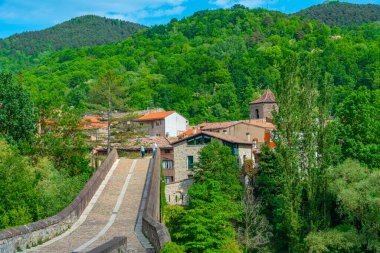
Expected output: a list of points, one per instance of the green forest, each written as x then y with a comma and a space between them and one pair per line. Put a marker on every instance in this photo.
342, 14
208, 66
21, 51
40, 174
318, 191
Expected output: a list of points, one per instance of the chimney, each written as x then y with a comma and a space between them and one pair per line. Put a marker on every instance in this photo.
194, 131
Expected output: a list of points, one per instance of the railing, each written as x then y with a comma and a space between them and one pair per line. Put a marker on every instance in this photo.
152, 227
22, 237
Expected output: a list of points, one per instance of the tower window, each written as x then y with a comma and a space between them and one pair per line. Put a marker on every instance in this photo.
257, 114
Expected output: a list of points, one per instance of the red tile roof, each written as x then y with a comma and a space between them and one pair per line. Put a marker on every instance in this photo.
189, 132
154, 116
267, 97
260, 123
218, 125
93, 122
221, 136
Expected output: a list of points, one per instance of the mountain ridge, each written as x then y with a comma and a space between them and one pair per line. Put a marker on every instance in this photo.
85, 24
342, 14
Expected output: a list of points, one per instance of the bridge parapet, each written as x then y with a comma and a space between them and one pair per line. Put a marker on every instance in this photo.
22, 237
154, 230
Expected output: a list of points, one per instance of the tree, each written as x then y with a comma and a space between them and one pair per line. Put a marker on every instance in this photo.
255, 233
304, 139
63, 142
17, 118
355, 190
108, 93
18, 195
359, 126
287, 139
207, 224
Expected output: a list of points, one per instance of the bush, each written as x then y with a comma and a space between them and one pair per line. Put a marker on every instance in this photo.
172, 247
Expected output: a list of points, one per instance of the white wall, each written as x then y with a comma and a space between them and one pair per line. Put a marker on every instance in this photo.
174, 123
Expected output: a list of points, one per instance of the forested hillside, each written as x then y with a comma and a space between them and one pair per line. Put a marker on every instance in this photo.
208, 66
342, 14
89, 30
317, 191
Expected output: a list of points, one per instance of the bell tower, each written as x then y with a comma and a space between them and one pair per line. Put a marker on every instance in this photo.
262, 108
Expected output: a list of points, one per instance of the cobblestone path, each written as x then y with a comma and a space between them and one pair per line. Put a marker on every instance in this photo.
114, 212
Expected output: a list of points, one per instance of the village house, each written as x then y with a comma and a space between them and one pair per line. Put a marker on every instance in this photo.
168, 124
186, 153
95, 127
249, 130
244, 137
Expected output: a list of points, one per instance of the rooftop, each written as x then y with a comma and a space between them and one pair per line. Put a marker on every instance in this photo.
267, 97
260, 123
154, 116
218, 125
221, 136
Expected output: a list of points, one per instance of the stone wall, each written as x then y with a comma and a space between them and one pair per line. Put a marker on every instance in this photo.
265, 110
245, 150
152, 227
181, 152
19, 238
176, 193
116, 245
157, 129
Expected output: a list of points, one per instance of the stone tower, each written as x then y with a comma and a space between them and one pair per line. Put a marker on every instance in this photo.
262, 108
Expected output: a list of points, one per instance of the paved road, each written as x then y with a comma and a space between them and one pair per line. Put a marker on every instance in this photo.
112, 212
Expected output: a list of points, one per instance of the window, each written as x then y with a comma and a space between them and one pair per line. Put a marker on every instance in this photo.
167, 164
141, 124
168, 179
257, 114
158, 134
190, 162
167, 151
233, 146
199, 140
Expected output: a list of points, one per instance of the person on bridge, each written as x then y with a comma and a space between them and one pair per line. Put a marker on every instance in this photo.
142, 151
154, 148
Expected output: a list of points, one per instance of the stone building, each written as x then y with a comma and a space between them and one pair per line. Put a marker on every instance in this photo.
186, 151
263, 107
249, 130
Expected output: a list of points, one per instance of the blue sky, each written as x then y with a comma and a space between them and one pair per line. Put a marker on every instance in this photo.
17, 16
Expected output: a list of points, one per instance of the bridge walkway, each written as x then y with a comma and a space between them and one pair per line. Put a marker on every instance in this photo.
112, 212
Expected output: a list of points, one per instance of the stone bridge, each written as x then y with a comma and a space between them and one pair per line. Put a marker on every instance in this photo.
119, 204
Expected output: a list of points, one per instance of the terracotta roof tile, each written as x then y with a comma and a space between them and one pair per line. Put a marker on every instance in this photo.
189, 132
221, 136
154, 116
267, 97
260, 123
218, 125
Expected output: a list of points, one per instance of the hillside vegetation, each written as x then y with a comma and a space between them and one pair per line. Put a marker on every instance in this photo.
208, 66
89, 30
342, 14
